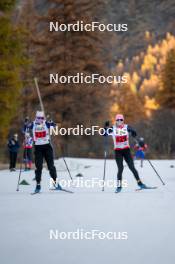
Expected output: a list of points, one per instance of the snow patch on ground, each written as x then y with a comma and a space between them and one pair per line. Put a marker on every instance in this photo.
147, 216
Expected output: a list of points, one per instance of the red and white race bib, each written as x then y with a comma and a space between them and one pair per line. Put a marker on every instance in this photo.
120, 137
40, 134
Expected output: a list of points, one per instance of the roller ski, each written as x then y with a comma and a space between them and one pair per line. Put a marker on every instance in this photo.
143, 186
57, 187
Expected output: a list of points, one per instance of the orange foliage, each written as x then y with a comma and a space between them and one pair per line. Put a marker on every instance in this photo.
145, 70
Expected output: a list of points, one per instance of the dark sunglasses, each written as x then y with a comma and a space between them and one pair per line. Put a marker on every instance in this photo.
40, 117
119, 120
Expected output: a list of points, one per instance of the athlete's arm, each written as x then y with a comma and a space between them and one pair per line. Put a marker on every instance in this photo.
50, 124
27, 126
132, 131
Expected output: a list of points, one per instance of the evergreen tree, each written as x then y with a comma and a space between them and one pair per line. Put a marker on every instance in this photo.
68, 53
11, 60
7, 5
166, 94
27, 20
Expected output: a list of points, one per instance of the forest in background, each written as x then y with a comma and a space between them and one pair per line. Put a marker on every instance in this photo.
28, 50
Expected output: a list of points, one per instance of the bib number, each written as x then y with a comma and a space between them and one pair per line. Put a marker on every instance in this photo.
120, 139
40, 134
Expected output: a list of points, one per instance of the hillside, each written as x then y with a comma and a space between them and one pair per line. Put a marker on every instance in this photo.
155, 16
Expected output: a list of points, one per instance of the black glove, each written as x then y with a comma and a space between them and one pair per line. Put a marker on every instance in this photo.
107, 124
133, 133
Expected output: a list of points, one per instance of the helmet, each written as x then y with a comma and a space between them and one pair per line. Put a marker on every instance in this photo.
141, 139
119, 116
39, 114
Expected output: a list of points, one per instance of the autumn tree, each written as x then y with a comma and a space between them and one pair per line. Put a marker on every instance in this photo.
166, 94
130, 104
27, 21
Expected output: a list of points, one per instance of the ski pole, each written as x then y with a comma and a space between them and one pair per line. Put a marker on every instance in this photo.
105, 157
19, 177
163, 183
42, 106
66, 164
67, 169
39, 95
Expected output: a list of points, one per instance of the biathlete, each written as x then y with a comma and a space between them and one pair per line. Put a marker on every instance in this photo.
43, 149
28, 144
120, 133
140, 148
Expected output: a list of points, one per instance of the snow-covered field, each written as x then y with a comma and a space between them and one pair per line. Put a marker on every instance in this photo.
147, 216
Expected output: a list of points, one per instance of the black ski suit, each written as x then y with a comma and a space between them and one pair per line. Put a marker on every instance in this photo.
44, 151
126, 155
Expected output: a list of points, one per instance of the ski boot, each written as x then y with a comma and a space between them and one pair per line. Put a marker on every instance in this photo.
58, 187
119, 188
142, 185
38, 188
54, 185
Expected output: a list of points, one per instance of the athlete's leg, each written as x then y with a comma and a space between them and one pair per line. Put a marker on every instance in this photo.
129, 160
119, 161
38, 163
48, 155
